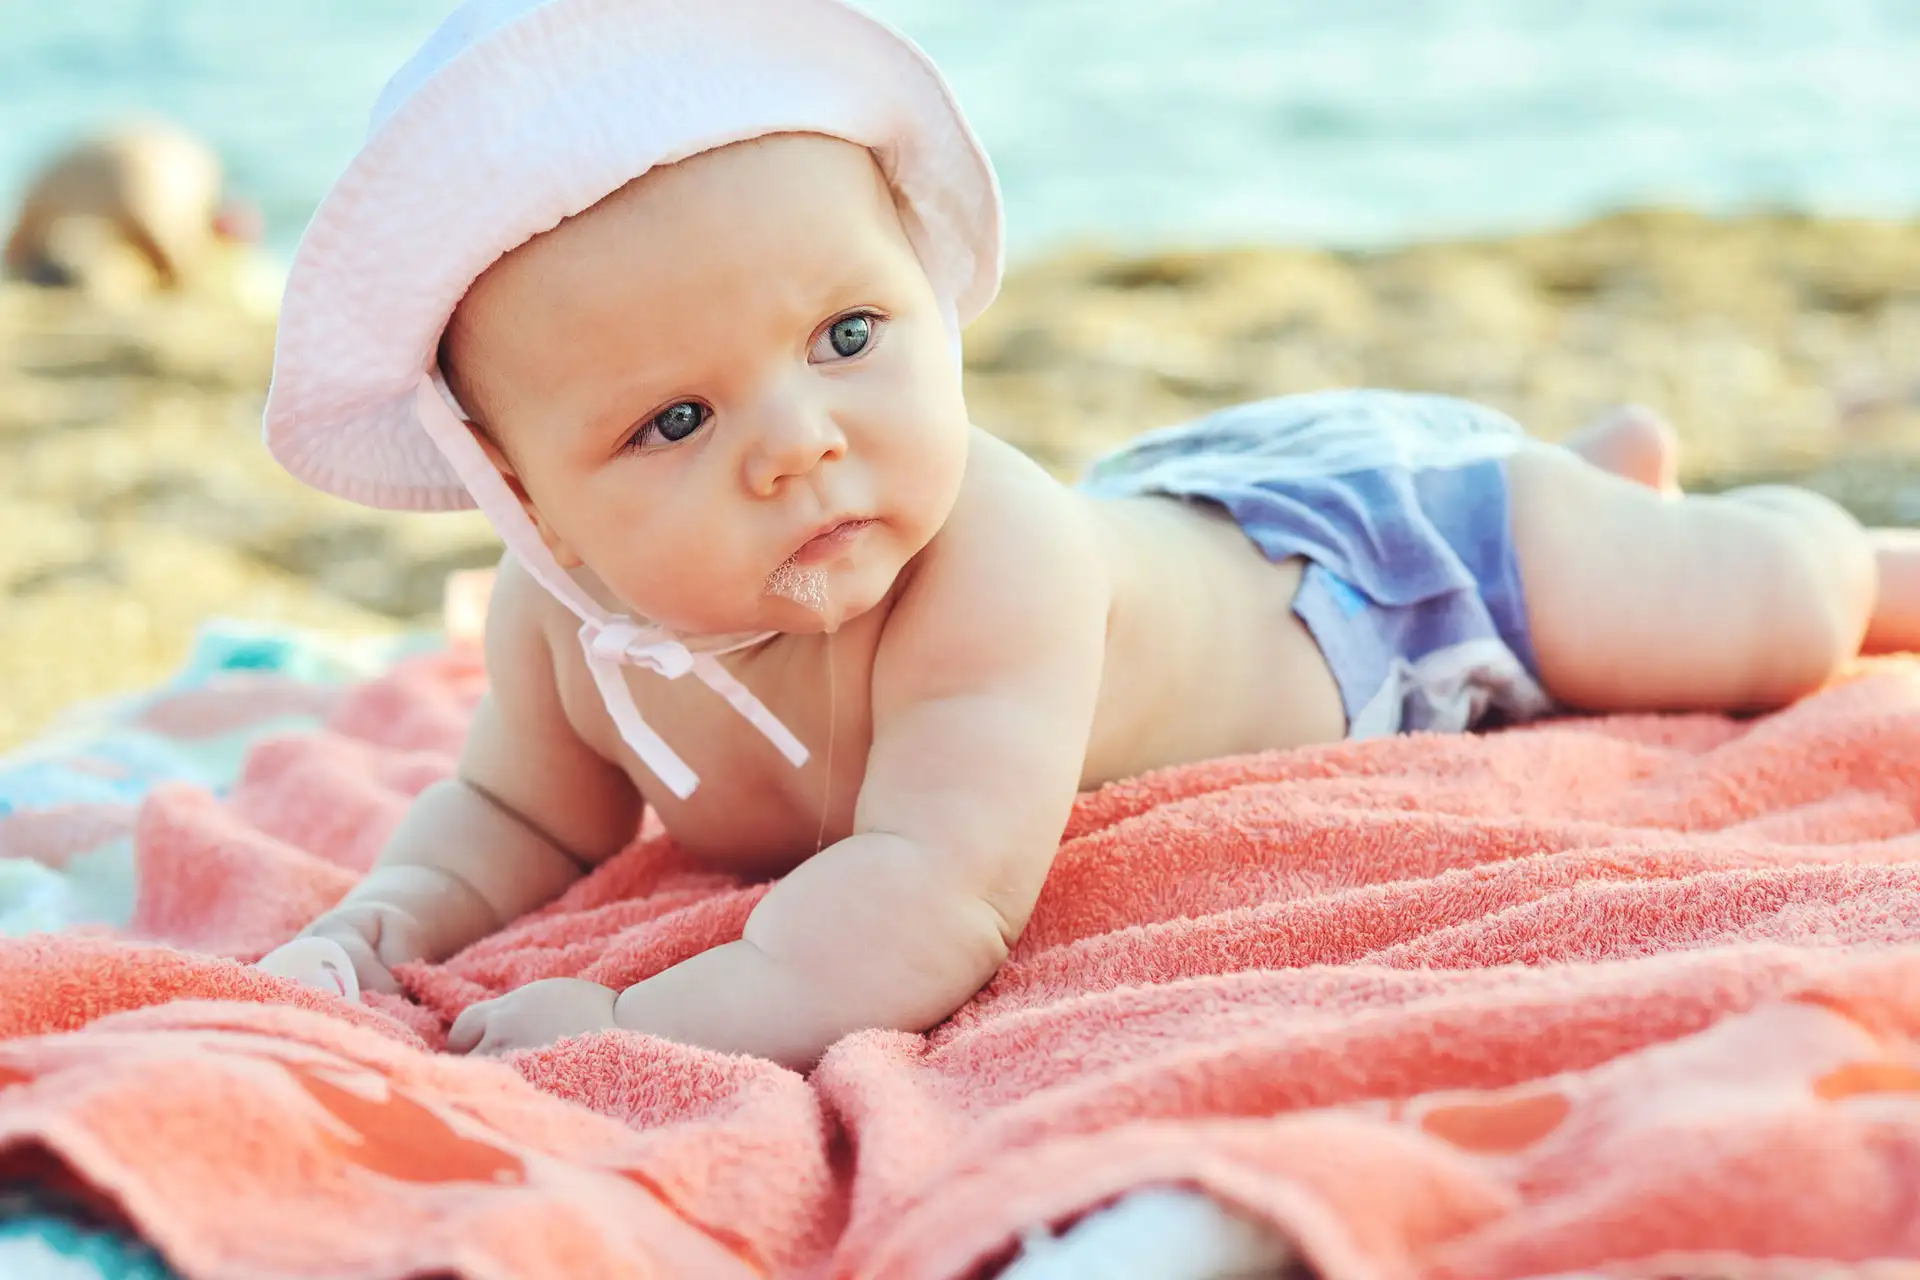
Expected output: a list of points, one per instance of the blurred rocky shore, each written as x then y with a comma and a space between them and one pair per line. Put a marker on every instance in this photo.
136, 498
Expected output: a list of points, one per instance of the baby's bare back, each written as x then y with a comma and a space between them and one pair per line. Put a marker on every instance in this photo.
1203, 658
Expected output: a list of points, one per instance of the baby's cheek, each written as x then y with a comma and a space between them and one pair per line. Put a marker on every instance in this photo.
941, 472
701, 590
920, 460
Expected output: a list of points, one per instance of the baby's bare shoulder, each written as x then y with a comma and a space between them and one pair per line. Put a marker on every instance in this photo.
1007, 500
523, 748
532, 654
1018, 546
520, 630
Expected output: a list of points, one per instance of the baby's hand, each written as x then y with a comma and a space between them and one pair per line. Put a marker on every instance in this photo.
534, 1015
376, 936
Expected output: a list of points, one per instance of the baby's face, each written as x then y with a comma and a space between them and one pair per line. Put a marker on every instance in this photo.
694, 380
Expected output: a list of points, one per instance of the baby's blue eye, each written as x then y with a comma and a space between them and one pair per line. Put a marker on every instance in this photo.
677, 422
851, 335
848, 337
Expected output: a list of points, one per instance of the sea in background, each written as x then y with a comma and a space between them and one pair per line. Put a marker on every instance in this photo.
1139, 123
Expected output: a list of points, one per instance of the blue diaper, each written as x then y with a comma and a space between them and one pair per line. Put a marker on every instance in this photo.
1398, 504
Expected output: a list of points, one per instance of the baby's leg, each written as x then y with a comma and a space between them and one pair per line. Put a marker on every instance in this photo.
1641, 601
1641, 445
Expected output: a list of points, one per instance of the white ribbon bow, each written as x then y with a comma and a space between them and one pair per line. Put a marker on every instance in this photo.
620, 642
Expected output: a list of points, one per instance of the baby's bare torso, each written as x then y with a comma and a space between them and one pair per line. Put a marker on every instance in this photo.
1204, 658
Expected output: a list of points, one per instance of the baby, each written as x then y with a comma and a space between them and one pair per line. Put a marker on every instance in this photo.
674, 292
148, 186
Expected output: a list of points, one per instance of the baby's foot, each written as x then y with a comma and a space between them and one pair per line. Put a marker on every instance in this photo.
1635, 442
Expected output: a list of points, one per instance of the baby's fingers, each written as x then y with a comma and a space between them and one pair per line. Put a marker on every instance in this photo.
367, 965
396, 939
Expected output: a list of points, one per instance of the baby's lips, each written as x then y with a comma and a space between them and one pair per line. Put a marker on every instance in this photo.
319, 963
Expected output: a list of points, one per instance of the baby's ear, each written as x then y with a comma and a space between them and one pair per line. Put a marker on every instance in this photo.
562, 553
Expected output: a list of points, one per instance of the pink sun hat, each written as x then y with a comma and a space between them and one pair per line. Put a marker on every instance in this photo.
517, 114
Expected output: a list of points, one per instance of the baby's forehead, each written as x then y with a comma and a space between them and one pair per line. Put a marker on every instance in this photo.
804, 204
776, 178
771, 231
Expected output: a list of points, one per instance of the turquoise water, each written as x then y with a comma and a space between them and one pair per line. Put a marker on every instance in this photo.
1153, 121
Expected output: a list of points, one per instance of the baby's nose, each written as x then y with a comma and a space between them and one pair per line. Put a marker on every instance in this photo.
792, 443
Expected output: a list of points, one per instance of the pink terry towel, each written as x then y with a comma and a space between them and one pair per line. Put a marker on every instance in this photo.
1635, 994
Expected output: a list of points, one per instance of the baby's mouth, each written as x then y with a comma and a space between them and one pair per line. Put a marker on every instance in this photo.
802, 576
830, 541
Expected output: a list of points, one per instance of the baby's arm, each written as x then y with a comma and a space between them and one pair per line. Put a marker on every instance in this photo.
528, 807
984, 689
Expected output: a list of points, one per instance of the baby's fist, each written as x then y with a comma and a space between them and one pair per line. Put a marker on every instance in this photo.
376, 936
534, 1015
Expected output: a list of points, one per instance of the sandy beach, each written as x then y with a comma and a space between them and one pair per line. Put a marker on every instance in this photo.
136, 498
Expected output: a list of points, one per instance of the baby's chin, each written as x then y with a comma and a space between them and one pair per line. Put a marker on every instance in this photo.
808, 606
813, 599
805, 609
